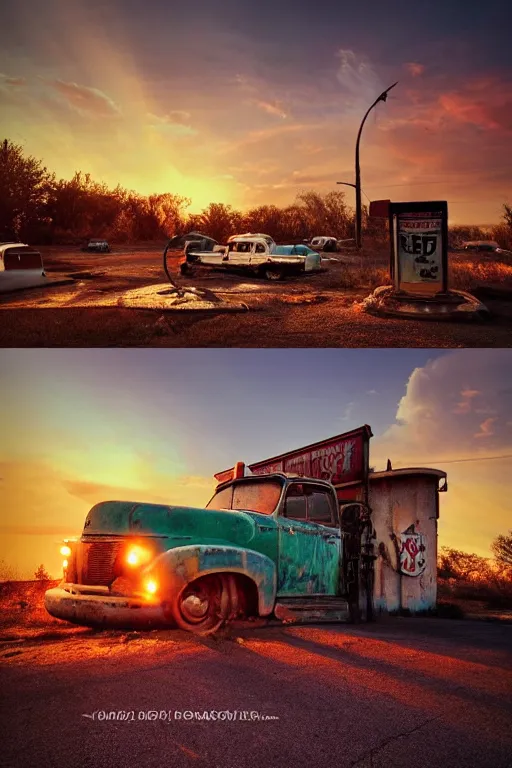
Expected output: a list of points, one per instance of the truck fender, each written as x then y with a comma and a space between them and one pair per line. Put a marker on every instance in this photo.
177, 567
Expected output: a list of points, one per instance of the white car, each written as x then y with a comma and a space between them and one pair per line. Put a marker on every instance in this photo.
97, 246
21, 266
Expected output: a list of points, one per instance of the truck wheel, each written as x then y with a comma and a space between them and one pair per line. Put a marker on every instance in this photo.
274, 273
206, 604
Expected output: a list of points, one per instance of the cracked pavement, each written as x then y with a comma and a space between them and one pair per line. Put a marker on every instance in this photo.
398, 692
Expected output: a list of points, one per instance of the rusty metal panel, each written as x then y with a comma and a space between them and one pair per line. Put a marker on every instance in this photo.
340, 459
379, 209
404, 516
309, 558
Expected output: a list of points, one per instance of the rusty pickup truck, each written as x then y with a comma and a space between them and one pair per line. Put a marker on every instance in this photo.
273, 545
255, 253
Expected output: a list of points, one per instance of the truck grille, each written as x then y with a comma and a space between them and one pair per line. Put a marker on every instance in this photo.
99, 562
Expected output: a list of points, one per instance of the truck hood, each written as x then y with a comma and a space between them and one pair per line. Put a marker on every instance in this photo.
178, 524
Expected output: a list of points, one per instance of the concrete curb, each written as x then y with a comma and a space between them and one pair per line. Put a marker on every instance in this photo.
471, 309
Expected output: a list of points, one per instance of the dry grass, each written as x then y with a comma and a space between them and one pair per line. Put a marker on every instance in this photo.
22, 605
466, 274
371, 269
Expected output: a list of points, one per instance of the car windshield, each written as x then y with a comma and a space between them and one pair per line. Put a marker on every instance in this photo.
252, 495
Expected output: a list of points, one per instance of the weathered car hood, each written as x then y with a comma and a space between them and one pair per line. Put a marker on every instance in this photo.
179, 524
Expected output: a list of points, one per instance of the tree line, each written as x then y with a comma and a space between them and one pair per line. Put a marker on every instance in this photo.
38, 208
471, 577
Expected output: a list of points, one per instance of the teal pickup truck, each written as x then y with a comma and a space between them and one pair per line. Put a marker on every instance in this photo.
269, 545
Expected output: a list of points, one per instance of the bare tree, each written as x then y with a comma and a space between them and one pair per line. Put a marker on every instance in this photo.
502, 549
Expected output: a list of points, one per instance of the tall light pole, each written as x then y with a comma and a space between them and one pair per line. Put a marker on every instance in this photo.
383, 97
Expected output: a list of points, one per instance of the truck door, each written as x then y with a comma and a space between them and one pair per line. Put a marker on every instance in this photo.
259, 255
240, 255
309, 551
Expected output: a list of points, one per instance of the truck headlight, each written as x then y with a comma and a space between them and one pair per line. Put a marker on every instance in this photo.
65, 550
151, 586
137, 556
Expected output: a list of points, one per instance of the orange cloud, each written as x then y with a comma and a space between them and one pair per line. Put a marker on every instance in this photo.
414, 68
486, 428
84, 98
271, 109
12, 82
467, 395
466, 110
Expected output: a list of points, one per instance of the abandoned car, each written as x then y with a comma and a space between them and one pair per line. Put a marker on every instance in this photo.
257, 253
97, 246
325, 243
20, 256
21, 266
264, 545
484, 246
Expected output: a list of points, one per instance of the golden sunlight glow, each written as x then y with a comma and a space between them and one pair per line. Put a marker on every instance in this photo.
64, 563
65, 551
151, 587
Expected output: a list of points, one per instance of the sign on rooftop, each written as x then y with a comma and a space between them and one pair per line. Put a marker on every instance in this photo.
340, 459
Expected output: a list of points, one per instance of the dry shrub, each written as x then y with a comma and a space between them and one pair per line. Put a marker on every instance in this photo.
22, 604
466, 576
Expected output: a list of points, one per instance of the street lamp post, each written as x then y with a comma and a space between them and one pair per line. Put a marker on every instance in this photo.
383, 96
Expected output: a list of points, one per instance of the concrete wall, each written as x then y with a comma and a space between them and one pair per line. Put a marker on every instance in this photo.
397, 502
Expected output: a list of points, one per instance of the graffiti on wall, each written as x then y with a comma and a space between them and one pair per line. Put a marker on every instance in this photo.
411, 552
341, 459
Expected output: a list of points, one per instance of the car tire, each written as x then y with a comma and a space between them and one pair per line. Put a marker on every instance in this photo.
185, 269
205, 604
274, 273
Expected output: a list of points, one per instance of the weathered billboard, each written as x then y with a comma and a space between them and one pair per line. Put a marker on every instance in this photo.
420, 246
341, 459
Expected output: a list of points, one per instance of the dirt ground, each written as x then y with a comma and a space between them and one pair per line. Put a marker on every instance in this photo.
317, 311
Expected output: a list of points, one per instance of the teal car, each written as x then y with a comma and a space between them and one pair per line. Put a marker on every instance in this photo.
270, 545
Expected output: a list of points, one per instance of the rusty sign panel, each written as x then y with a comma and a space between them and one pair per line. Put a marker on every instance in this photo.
379, 209
340, 459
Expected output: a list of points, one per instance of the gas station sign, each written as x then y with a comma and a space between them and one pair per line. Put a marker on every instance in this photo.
419, 245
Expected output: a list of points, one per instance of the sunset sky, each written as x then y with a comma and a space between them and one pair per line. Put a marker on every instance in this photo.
81, 426
252, 102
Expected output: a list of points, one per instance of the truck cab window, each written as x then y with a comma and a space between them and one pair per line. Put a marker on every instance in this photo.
295, 504
319, 506
260, 248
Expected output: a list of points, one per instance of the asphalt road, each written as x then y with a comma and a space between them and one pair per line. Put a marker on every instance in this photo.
317, 311
404, 692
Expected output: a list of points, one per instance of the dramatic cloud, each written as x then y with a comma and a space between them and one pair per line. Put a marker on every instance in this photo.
441, 413
439, 424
